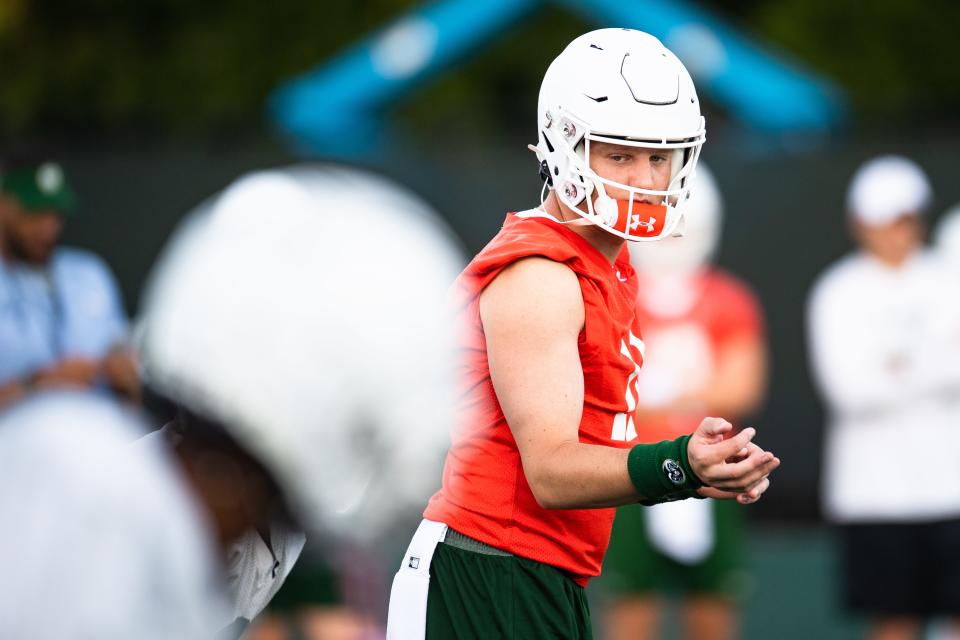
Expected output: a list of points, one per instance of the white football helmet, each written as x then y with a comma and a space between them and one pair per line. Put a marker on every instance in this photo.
305, 310
619, 86
703, 221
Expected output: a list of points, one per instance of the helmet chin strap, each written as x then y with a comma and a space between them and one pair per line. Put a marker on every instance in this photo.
605, 207
578, 220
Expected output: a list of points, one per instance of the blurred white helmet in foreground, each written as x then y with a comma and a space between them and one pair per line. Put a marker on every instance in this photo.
305, 310
946, 236
886, 188
703, 218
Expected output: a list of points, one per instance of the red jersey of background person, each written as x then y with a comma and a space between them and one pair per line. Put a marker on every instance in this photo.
485, 494
682, 344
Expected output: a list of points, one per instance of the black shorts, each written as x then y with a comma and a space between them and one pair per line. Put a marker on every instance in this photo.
902, 569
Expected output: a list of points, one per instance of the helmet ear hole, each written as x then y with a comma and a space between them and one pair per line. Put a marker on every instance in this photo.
573, 192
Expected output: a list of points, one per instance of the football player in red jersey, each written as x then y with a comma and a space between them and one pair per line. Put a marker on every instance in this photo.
545, 445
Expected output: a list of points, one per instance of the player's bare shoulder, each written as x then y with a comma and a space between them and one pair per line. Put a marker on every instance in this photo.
534, 292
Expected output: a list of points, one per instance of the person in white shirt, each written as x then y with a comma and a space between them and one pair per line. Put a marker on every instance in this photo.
884, 352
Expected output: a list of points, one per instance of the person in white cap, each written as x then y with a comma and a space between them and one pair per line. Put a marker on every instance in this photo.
298, 325
884, 352
705, 355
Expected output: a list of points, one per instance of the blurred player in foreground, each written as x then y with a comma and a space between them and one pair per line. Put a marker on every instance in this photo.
299, 325
545, 444
705, 355
885, 350
62, 323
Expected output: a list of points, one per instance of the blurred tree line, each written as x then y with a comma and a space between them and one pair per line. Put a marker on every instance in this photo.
187, 66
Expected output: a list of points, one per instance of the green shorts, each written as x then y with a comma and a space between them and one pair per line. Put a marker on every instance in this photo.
311, 583
634, 567
487, 597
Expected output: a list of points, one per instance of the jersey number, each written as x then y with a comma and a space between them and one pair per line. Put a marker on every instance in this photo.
623, 427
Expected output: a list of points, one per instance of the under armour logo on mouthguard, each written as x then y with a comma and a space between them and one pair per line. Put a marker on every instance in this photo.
635, 222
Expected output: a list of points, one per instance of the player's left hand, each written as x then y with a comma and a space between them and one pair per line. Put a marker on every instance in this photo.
732, 467
752, 494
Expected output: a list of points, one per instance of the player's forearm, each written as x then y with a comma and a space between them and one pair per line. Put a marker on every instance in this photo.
574, 475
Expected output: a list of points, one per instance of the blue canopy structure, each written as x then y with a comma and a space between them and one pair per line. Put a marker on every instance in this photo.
339, 108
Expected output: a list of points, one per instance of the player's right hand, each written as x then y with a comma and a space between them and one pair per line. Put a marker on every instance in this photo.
731, 468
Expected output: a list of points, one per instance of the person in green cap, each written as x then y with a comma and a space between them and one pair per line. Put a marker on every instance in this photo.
62, 322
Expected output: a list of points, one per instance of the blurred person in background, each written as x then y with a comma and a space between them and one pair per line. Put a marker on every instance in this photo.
311, 390
62, 322
545, 445
705, 355
884, 350
946, 237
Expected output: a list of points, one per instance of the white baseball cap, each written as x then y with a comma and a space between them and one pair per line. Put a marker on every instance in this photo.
886, 188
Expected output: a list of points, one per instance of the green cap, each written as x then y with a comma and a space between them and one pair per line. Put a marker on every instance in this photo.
40, 188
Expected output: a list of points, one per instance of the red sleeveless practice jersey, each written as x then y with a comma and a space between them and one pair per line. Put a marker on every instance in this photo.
485, 494
683, 346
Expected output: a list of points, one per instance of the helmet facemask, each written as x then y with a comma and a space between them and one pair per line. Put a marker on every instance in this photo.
634, 218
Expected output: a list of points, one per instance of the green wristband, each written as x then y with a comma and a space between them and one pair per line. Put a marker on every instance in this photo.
661, 472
